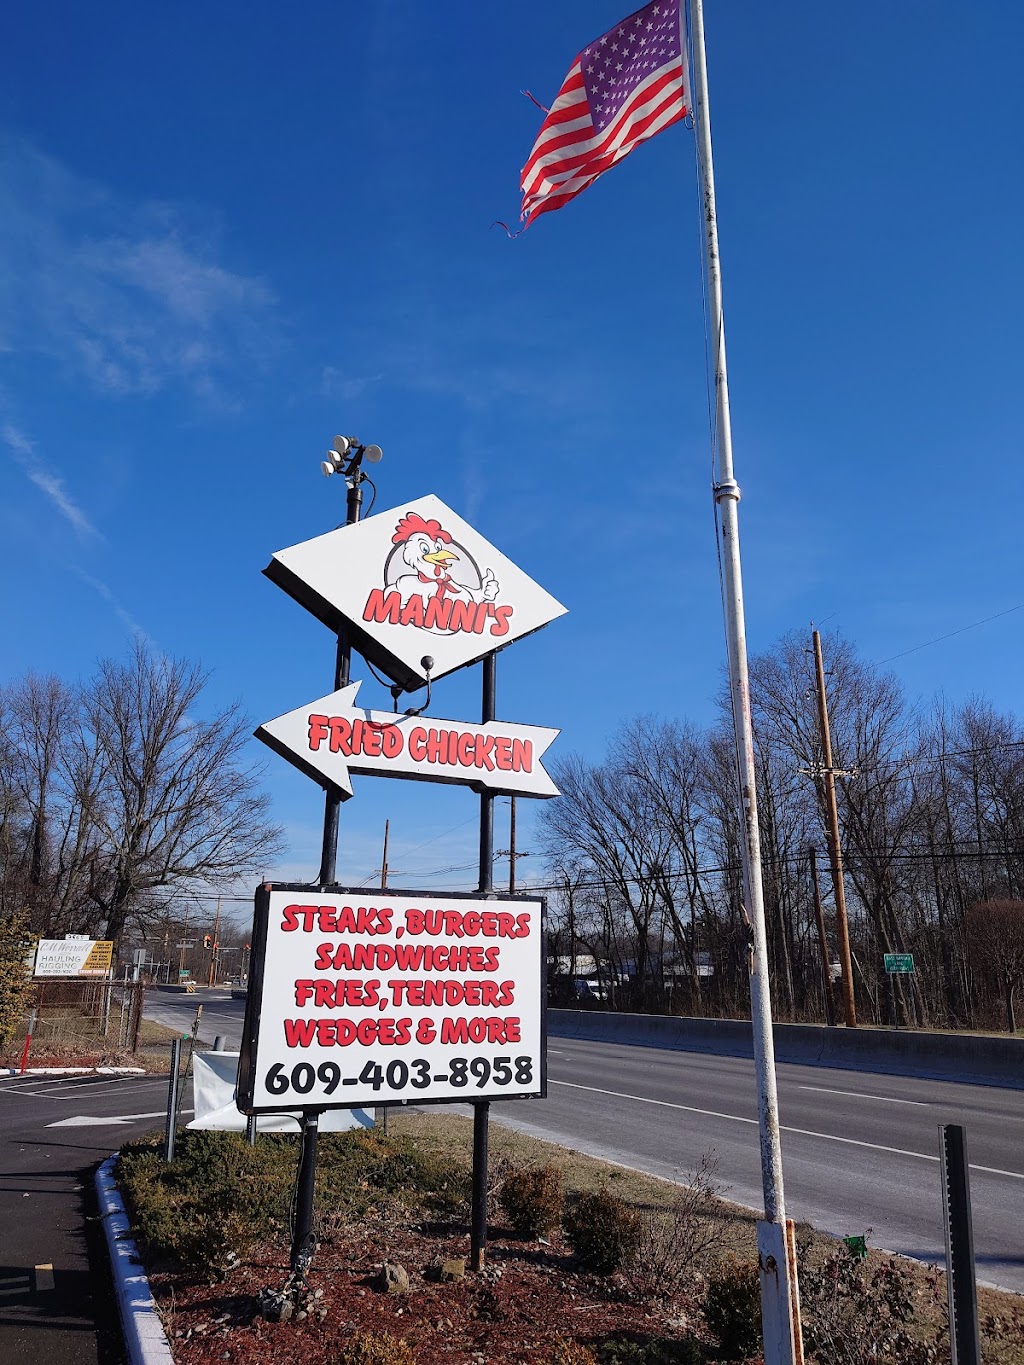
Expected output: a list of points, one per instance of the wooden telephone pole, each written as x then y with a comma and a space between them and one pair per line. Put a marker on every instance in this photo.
835, 853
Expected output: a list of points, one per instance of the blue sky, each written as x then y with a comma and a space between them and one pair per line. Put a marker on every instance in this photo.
228, 232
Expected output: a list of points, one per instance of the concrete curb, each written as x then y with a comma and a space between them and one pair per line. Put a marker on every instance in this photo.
969, 1058
145, 1339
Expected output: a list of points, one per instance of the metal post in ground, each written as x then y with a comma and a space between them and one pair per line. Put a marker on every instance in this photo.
964, 1342
33, 1016
172, 1100
481, 1108
303, 1240
342, 672
349, 461
250, 1130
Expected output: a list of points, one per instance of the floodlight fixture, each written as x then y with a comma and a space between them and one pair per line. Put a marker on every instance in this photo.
373, 454
333, 463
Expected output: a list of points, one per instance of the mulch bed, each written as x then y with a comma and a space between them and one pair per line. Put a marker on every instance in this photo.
527, 1297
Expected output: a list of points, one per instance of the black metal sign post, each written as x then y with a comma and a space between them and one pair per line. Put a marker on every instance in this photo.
964, 1342
303, 1239
482, 1108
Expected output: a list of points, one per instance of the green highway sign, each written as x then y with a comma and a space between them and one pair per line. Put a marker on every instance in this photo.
899, 962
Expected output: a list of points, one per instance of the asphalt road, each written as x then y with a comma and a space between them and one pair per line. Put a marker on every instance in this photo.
56, 1296
860, 1150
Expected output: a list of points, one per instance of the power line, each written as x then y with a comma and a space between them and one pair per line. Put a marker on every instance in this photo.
939, 638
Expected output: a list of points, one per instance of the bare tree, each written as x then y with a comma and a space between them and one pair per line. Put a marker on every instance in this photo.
995, 932
122, 793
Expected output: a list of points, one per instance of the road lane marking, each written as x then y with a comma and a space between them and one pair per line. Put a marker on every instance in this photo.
667, 1104
13, 1285
860, 1095
95, 1121
785, 1128
44, 1277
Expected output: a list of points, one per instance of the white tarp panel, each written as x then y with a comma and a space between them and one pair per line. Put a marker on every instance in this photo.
214, 1077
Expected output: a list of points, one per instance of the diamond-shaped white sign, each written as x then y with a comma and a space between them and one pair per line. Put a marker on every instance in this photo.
413, 583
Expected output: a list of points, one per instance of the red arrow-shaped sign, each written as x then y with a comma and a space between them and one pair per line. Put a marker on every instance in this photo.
330, 738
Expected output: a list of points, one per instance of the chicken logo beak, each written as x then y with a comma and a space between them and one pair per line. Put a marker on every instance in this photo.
442, 557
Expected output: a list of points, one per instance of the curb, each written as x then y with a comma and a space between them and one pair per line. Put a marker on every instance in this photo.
145, 1339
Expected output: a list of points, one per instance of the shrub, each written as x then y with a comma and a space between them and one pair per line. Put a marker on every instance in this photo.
209, 1205
856, 1315
602, 1230
376, 1348
673, 1243
565, 1351
652, 1351
531, 1199
16, 984
219, 1196
732, 1308
398, 1168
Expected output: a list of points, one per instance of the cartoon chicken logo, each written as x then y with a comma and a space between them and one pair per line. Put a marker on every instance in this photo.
433, 582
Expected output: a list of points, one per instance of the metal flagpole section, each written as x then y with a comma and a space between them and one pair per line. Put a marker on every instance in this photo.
779, 1295
482, 1108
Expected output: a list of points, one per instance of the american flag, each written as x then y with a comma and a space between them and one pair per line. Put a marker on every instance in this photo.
622, 89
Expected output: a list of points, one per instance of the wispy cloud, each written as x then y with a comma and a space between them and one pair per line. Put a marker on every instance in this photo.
335, 383
131, 296
130, 624
24, 451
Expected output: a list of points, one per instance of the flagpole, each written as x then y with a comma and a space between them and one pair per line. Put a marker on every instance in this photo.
776, 1259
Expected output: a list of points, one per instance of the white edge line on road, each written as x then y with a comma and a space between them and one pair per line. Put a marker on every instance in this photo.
803, 1132
861, 1095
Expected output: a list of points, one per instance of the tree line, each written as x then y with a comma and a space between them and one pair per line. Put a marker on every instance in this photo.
117, 796
644, 850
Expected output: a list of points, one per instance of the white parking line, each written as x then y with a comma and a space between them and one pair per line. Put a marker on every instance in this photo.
76, 1091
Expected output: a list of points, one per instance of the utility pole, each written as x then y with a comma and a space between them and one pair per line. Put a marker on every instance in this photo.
384, 857
826, 966
213, 947
184, 940
835, 852
510, 852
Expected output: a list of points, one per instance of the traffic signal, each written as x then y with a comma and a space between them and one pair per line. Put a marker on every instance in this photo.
207, 940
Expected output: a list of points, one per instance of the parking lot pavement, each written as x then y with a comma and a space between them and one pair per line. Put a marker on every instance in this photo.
56, 1299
